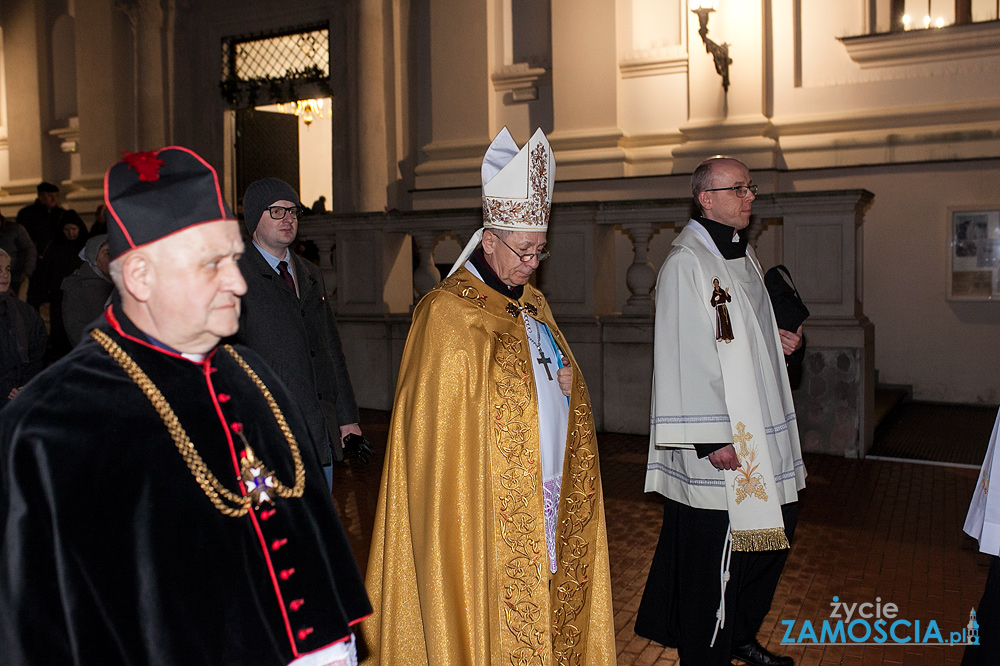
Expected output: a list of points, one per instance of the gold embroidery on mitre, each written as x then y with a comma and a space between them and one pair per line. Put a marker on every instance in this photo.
530, 212
517, 486
750, 482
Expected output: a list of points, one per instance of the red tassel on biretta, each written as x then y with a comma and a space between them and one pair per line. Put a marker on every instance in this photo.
146, 164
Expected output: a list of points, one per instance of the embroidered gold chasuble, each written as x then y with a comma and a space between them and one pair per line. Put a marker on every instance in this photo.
459, 573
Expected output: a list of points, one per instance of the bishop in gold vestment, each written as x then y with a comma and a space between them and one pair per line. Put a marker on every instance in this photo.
461, 571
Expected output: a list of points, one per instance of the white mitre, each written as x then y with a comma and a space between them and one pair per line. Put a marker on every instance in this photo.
517, 188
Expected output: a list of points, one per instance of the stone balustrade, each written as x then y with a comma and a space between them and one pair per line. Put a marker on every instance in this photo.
378, 265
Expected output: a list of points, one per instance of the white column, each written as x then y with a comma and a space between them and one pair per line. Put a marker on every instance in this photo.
374, 97
152, 100
27, 76
104, 95
586, 130
459, 94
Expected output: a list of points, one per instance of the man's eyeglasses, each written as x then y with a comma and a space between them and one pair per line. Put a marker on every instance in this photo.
741, 190
542, 254
278, 212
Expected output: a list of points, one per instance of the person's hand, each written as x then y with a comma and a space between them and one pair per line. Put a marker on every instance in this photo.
14, 391
565, 377
725, 458
356, 446
790, 341
349, 429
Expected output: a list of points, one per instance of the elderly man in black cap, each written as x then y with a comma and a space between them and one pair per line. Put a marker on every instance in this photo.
160, 500
287, 319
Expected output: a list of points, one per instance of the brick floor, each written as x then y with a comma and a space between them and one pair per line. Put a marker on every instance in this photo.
867, 530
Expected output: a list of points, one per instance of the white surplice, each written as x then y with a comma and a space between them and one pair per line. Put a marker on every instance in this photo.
707, 391
983, 520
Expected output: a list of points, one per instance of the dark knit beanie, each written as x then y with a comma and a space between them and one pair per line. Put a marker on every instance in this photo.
151, 195
260, 195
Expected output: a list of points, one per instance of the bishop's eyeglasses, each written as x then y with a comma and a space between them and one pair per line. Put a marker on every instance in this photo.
541, 254
741, 190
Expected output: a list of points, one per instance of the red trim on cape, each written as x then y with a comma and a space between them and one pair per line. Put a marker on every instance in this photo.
109, 316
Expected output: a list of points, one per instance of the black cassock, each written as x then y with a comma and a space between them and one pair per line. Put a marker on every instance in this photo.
111, 552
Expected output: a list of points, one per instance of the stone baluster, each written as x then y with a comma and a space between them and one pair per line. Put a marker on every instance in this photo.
328, 263
426, 274
640, 276
320, 231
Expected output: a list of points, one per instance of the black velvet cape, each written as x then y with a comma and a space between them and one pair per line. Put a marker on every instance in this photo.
111, 553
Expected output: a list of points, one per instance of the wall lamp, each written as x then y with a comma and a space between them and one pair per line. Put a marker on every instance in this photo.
719, 52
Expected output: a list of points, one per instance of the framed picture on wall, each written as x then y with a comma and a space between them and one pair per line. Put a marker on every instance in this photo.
974, 265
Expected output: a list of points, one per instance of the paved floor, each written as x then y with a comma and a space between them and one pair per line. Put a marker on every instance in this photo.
869, 531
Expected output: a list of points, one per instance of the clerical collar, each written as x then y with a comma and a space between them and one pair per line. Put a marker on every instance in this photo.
194, 358
731, 247
478, 260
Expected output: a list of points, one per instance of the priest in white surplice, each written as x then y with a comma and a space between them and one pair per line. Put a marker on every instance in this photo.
983, 524
724, 448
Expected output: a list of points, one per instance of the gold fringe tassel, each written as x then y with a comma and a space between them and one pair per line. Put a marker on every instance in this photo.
755, 541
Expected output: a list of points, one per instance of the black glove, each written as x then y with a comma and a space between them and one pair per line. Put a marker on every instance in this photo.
356, 445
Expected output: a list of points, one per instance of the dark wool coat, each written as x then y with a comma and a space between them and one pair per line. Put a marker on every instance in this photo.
84, 295
43, 225
112, 554
297, 336
22, 344
15, 240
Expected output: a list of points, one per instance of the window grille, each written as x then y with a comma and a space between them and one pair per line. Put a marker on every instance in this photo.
272, 67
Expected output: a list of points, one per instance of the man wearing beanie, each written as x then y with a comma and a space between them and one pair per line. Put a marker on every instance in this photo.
160, 498
288, 321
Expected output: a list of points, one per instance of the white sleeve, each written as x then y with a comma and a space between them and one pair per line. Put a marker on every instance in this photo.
344, 653
689, 397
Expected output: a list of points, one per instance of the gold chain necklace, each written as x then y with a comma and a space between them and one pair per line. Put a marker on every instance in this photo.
211, 486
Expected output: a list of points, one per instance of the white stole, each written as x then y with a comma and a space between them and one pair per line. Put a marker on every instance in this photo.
708, 391
755, 516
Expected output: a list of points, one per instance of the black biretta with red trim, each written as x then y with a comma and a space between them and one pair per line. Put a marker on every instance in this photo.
153, 194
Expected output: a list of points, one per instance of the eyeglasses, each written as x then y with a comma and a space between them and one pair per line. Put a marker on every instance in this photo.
278, 212
542, 255
741, 190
